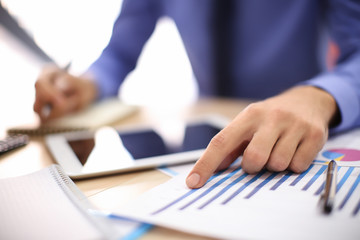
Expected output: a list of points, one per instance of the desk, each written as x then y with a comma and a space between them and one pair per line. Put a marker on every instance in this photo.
111, 191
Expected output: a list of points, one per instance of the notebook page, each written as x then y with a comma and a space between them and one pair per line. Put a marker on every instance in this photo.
101, 113
98, 114
34, 206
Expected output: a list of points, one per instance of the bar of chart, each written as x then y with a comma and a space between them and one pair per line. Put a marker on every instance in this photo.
224, 187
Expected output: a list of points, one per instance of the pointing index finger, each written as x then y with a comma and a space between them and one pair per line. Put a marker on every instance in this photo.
219, 148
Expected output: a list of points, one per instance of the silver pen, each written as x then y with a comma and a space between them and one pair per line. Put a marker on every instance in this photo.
328, 197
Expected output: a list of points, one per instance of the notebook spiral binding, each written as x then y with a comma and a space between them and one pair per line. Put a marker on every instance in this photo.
42, 130
79, 200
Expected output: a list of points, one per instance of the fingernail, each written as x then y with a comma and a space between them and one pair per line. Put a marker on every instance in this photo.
192, 180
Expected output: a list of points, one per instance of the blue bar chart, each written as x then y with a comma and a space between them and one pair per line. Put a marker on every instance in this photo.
236, 183
267, 205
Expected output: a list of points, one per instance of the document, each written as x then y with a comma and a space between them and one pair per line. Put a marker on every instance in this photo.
267, 205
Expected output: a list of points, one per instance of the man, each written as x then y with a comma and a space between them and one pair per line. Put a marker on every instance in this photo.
267, 50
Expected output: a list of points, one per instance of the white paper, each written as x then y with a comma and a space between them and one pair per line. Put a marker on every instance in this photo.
99, 114
286, 211
234, 205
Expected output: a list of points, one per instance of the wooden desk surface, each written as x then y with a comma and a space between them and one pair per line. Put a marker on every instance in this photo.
112, 191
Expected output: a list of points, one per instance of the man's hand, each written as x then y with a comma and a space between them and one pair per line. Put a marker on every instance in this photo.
283, 132
62, 92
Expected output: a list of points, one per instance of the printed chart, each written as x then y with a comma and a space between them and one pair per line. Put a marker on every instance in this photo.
267, 205
255, 201
266, 181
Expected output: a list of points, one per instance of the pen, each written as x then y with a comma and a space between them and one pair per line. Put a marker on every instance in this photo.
45, 112
328, 196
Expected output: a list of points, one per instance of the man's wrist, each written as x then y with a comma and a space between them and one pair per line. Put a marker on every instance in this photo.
328, 105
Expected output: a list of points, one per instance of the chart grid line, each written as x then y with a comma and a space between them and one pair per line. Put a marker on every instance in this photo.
256, 177
356, 210
281, 181
210, 188
321, 189
348, 195
190, 192
301, 176
262, 184
344, 178
241, 177
314, 178
176, 201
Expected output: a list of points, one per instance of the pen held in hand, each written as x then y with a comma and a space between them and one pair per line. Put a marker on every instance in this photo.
46, 110
328, 196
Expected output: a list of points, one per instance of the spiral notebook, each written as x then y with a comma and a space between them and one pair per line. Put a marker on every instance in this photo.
48, 205
99, 114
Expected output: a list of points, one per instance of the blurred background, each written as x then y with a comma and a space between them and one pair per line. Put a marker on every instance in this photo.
77, 31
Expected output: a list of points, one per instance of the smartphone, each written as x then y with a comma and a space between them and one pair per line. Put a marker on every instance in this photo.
115, 150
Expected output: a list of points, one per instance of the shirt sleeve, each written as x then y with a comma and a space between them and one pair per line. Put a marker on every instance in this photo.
131, 30
343, 82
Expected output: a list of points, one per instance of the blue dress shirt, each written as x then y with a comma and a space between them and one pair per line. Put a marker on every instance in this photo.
277, 44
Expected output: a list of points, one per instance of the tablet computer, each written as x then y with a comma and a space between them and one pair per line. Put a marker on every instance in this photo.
110, 150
